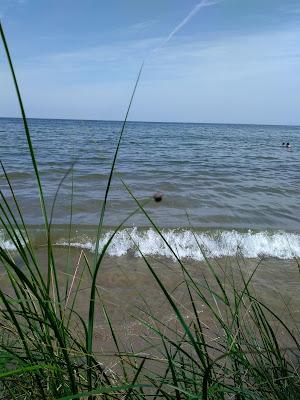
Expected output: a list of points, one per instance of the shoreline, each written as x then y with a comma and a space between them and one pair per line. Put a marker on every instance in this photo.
188, 244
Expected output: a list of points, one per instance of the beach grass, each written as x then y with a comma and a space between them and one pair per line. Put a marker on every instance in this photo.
245, 352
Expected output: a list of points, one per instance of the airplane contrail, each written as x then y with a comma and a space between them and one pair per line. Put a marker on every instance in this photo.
203, 3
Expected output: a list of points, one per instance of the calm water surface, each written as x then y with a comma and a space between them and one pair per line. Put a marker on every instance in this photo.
229, 179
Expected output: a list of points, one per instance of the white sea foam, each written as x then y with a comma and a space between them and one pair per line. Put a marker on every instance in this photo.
187, 244
5, 243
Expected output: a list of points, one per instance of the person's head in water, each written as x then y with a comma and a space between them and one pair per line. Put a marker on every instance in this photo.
288, 145
283, 144
158, 196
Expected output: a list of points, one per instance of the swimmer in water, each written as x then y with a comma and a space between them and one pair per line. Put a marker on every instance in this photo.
288, 146
158, 196
283, 144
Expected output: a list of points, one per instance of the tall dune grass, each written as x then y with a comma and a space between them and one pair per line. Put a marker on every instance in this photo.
238, 356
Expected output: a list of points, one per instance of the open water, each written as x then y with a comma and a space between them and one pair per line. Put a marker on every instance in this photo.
230, 188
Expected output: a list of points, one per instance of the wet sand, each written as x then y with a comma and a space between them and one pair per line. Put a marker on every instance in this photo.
128, 288
131, 295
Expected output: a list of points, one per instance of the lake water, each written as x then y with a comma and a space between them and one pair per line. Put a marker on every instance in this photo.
234, 188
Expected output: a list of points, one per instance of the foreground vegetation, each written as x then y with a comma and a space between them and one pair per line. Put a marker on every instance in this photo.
239, 355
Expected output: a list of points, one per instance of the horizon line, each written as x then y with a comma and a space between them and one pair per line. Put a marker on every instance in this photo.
155, 122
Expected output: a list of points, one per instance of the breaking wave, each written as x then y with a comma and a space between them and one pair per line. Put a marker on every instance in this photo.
192, 245
5, 243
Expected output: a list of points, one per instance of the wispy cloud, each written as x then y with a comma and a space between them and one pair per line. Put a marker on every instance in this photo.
110, 54
6, 5
291, 9
245, 78
241, 76
141, 26
223, 57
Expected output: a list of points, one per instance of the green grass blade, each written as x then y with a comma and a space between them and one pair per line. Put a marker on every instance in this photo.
27, 132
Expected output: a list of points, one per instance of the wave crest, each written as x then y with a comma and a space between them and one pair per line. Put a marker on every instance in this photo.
187, 244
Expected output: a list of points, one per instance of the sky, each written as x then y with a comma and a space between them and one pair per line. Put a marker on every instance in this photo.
218, 61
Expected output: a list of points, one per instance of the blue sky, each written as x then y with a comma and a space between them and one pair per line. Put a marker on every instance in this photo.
234, 61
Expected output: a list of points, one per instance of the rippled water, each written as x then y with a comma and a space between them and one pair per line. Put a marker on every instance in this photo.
229, 178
